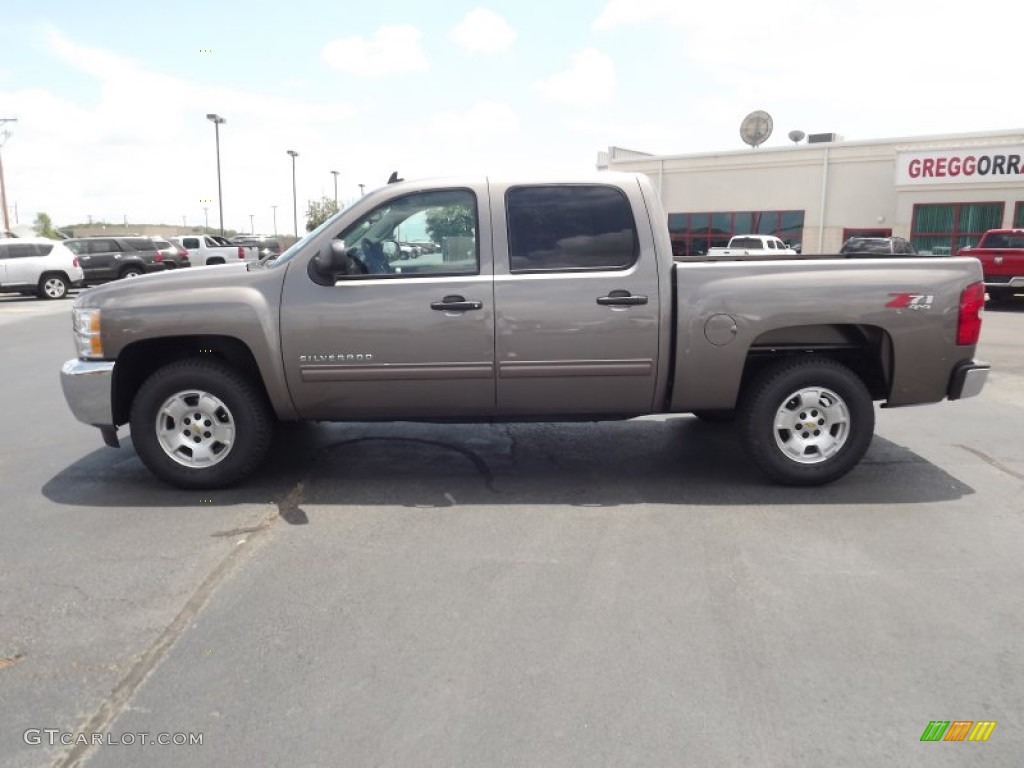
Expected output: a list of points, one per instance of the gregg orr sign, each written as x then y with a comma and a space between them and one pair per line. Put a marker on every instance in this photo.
961, 166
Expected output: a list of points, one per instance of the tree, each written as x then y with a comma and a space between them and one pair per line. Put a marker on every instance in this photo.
44, 226
450, 221
320, 211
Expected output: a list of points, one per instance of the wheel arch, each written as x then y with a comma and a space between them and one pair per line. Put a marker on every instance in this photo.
137, 361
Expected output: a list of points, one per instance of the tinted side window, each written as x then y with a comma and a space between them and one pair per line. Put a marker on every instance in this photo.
21, 250
573, 227
190, 242
140, 243
103, 246
43, 249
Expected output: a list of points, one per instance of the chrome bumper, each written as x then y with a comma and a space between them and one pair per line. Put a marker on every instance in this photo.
968, 380
87, 386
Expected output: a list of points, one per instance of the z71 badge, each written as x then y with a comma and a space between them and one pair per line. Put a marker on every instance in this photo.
911, 301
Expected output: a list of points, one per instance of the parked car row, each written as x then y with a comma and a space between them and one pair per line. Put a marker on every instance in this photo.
49, 268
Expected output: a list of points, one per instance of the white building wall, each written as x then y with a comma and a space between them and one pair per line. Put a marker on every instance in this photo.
856, 181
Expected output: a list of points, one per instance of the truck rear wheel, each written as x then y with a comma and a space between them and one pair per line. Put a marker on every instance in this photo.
807, 422
200, 424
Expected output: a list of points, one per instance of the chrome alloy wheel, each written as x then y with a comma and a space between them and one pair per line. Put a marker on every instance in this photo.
812, 425
195, 428
55, 287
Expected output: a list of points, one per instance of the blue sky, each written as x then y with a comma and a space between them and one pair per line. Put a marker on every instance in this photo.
111, 97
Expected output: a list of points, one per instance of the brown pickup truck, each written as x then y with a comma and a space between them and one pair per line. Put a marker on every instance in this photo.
542, 300
1001, 253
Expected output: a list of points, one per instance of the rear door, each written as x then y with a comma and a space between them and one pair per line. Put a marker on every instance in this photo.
101, 258
409, 339
576, 293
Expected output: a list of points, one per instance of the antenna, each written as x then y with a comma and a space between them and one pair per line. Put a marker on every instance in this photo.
796, 136
756, 128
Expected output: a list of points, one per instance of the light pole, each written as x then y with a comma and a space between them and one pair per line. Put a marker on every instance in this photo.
335, 174
274, 209
361, 189
4, 135
295, 199
206, 218
252, 227
217, 120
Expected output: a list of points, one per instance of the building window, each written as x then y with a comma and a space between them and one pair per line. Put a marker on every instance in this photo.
943, 229
1018, 216
693, 233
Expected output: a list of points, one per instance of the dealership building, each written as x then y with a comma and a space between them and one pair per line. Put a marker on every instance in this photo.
939, 192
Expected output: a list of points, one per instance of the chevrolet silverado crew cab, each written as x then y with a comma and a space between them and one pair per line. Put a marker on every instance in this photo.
1001, 253
543, 301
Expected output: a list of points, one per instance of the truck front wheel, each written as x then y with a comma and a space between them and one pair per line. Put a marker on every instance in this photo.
198, 423
807, 422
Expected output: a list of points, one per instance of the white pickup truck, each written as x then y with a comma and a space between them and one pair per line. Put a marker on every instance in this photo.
752, 245
205, 250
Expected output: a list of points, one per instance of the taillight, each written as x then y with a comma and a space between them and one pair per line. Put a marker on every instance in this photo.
184, 255
158, 257
74, 261
969, 321
241, 252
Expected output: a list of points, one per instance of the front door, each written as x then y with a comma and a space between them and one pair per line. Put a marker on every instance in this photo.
410, 335
577, 298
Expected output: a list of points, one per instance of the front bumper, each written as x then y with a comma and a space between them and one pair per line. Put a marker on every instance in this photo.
88, 387
968, 379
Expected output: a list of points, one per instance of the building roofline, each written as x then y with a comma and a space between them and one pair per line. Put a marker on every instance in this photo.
974, 136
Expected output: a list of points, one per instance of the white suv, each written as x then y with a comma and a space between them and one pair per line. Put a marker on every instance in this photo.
36, 265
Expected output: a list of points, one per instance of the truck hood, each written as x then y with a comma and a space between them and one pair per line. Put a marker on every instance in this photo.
163, 285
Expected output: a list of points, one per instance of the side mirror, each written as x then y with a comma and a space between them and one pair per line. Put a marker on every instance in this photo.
329, 262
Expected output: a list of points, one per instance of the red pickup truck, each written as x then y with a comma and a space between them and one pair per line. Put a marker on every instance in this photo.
1001, 253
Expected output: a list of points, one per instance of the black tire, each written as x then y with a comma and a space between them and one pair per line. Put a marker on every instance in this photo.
838, 421
721, 416
129, 272
214, 260
244, 411
53, 286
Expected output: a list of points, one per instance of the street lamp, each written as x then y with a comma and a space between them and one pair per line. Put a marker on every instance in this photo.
295, 199
335, 174
206, 219
217, 120
252, 227
361, 189
274, 209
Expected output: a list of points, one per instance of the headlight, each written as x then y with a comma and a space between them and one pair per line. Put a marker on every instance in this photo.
87, 332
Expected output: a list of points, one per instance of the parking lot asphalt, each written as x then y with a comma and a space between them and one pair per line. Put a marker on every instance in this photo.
627, 593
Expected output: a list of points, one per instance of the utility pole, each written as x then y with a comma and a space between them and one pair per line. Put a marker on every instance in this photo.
361, 189
335, 174
252, 227
206, 218
274, 208
4, 136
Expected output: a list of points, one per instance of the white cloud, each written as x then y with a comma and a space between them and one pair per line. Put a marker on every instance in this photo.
483, 31
152, 157
484, 120
392, 49
589, 81
619, 13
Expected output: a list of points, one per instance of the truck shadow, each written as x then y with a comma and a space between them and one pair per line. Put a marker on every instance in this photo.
1008, 306
679, 461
